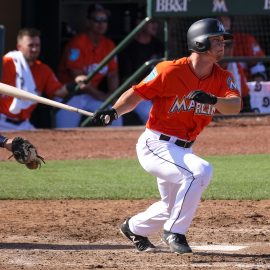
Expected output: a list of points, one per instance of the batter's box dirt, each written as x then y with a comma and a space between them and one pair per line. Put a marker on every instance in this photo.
84, 234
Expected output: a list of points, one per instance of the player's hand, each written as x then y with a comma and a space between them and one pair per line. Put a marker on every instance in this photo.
104, 118
202, 97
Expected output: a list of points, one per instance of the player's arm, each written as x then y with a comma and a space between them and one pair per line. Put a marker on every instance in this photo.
87, 87
225, 105
228, 105
5, 142
126, 103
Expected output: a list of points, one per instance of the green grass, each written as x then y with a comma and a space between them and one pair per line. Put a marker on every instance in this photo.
235, 177
240, 177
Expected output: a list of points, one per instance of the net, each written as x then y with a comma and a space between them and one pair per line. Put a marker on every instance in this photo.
251, 41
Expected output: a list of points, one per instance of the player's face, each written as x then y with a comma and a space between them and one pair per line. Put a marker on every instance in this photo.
30, 48
99, 22
217, 47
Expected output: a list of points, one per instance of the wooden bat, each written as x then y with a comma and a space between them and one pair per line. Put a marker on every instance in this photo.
19, 93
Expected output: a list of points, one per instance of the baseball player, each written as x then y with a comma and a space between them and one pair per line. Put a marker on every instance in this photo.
185, 94
82, 55
21, 68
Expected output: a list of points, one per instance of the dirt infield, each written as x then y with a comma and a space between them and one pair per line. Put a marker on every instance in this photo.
76, 234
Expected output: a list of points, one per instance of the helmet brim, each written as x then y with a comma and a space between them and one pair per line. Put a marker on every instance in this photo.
226, 35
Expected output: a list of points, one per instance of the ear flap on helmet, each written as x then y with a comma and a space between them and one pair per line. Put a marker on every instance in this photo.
202, 44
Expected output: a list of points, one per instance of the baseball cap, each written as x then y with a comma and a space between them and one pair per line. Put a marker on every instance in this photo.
95, 8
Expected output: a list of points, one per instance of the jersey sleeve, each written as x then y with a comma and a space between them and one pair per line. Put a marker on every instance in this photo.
153, 84
9, 71
73, 54
228, 85
52, 84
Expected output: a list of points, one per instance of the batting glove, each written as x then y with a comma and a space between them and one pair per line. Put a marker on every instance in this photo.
104, 118
202, 97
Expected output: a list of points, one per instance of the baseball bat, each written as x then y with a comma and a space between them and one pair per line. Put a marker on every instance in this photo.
19, 93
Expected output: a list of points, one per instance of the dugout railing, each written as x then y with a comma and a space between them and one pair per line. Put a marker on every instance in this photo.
176, 16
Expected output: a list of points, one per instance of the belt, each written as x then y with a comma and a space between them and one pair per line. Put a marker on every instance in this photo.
181, 143
14, 121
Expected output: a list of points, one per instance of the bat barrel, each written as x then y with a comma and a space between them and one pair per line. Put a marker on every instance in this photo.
18, 93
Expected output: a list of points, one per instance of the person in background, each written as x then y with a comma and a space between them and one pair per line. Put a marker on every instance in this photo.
145, 47
81, 56
239, 76
246, 44
22, 69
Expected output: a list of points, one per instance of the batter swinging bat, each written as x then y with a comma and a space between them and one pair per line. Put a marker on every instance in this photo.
19, 93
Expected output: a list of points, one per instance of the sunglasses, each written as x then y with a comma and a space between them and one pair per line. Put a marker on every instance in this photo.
99, 19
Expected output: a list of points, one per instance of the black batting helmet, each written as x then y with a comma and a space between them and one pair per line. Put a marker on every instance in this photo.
199, 32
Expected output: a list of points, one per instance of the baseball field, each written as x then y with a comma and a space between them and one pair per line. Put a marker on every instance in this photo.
67, 214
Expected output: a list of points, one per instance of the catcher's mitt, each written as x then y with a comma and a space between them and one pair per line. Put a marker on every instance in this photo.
25, 153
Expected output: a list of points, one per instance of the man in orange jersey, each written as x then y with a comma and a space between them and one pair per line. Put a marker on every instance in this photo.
81, 56
246, 44
185, 94
22, 69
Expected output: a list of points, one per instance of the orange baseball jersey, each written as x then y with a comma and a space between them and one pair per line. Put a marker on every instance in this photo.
168, 85
246, 45
45, 81
80, 53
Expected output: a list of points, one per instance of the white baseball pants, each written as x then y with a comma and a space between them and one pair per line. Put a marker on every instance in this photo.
181, 178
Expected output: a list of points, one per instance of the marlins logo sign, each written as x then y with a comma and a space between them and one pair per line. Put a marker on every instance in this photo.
219, 6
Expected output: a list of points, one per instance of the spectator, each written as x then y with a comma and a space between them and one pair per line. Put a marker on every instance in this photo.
81, 56
146, 46
22, 69
246, 44
239, 76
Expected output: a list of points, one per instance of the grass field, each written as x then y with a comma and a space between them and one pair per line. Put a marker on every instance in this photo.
235, 177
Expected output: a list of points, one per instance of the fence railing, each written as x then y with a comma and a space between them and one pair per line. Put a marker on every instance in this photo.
124, 86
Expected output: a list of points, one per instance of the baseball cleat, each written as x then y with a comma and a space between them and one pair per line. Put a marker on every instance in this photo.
177, 242
141, 243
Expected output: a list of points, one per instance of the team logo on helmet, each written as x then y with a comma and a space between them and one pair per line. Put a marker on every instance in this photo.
220, 27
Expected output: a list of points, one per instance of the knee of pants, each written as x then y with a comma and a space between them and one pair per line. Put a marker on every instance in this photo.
165, 208
205, 174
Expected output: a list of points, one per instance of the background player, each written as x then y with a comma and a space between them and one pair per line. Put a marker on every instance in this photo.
81, 56
178, 115
23, 69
